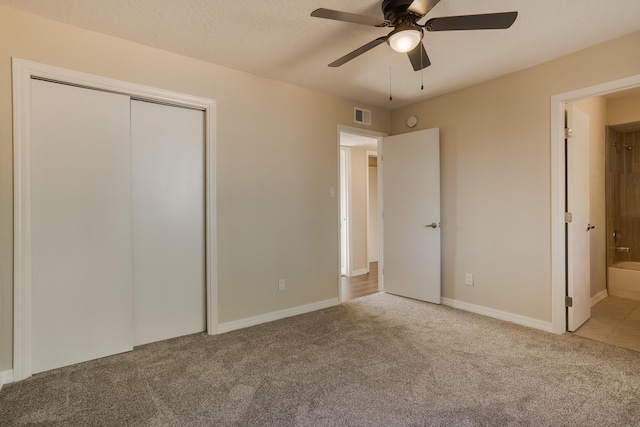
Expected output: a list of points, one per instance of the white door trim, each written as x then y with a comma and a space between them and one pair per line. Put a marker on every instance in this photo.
23, 71
378, 136
558, 190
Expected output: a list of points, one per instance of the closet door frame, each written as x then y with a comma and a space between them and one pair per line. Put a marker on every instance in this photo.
23, 74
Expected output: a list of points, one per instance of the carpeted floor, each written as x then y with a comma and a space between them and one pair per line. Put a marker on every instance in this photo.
379, 360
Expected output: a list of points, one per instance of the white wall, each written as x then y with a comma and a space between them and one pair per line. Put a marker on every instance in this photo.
276, 160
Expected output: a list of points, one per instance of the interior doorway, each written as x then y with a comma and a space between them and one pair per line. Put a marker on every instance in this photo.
615, 254
359, 212
559, 248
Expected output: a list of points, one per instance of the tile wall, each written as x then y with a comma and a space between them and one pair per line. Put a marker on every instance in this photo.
622, 195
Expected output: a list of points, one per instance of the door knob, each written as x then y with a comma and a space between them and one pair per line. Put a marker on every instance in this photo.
432, 225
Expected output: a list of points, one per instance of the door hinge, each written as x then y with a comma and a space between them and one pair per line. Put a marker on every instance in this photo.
568, 132
568, 217
568, 301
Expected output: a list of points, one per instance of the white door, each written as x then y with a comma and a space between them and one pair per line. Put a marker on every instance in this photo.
410, 169
578, 201
80, 225
168, 221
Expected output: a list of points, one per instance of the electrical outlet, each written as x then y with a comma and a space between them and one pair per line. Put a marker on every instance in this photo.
468, 279
281, 285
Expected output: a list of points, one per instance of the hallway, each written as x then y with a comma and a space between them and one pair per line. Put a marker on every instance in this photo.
359, 286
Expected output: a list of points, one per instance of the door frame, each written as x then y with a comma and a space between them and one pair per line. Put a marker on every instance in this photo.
23, 73
558, 190
378, 136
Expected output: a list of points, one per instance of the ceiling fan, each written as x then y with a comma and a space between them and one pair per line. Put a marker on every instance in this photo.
403, 16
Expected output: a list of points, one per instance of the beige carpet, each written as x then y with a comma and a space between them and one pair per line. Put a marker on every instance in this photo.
379, 360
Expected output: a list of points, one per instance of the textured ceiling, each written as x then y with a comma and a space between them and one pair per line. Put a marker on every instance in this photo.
278, 39
353, 140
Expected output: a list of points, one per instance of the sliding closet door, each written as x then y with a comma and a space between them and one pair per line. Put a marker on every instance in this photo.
168, 221
80, 225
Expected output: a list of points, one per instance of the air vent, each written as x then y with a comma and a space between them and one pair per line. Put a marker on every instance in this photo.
362, 116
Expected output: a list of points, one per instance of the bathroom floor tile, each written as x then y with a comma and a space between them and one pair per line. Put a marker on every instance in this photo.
617, 301
631, 326
597, 328
614, 308
615, 321
635, 314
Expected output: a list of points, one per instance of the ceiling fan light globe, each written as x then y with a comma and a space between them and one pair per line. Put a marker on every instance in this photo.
404, 40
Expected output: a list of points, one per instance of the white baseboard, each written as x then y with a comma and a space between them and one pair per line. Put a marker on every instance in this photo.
276, 315
359, 272
497, 314
6, 377
599, 297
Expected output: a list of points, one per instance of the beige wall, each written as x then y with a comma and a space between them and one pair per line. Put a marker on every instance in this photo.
624, 110
496, 168
276, 160
596, 109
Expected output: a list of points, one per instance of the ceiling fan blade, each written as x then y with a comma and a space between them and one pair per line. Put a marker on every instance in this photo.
489, 21
419, 58
422, 7
350, 17
359, 51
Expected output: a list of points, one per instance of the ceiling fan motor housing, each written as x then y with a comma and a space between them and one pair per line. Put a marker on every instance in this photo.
397, 12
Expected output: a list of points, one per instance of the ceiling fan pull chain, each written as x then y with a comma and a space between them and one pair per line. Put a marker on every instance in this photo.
421, 73
390, 97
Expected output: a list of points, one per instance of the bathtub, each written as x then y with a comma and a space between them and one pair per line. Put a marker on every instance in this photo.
624, 280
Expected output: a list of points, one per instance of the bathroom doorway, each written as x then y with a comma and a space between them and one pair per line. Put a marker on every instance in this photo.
614, 186
559, 218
